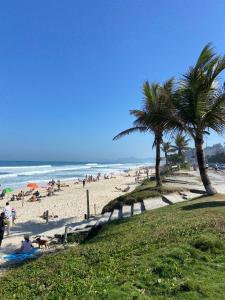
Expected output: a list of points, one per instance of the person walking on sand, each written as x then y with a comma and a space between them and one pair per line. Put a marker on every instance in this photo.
8, 216
2, 228
13, 216
84, 183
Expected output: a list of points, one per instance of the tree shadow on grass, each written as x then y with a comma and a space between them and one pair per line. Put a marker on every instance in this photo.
209, 204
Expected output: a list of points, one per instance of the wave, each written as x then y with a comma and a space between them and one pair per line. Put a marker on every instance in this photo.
8, 175
25, 167
59, 170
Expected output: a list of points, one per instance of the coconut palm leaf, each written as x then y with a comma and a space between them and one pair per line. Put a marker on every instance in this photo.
129, 131
153, 117
200, 103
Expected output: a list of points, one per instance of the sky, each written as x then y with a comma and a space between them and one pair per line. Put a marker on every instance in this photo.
71, 70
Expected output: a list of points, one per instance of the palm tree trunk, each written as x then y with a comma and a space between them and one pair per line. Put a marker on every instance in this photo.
158, 140
166, 156
202, 166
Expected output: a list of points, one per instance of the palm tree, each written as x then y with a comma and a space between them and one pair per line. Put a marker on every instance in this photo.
166, 148
156, 105
181, 144
200, 104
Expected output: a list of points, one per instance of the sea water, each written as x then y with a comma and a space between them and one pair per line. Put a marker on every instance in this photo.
16, 174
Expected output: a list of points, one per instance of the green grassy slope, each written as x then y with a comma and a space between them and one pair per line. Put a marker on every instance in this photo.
176, 252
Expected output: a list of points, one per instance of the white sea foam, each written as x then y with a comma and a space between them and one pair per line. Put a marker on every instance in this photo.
8, 175
24, 167
16, 176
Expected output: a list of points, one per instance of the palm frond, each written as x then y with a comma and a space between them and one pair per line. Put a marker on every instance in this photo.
130, 130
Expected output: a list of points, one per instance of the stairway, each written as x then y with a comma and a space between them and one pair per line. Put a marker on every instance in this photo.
126, 211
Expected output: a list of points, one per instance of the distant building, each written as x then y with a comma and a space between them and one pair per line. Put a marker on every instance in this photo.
209, 151
190, 155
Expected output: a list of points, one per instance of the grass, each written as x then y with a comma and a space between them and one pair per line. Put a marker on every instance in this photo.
146, 190
174, 253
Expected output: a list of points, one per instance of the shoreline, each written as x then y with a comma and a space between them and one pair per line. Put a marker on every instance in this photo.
18, 176
69, 205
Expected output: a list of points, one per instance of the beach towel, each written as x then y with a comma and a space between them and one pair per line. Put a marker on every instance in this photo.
18, 257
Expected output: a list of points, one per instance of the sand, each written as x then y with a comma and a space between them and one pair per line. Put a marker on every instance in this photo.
69, 205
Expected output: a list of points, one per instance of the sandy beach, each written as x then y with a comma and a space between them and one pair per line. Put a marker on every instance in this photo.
69, 205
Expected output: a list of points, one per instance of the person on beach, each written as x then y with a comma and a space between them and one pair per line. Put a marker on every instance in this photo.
2, 228
13, 198
37, 194
58, 185
26, 246
2, 195
8, 216
33, 198
13, 216
84, 181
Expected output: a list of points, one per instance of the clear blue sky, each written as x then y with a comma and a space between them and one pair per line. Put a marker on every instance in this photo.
70, 70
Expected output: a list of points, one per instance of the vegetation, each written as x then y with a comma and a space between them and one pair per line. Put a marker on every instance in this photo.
200, 104
173, 253
156, 105
166, 148
195, 105
219, 157
181, 144
176, 159
146, 190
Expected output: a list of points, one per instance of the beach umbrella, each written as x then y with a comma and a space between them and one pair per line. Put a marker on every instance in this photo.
33, 185
7, 190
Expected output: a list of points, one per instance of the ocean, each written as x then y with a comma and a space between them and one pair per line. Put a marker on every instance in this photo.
17, 174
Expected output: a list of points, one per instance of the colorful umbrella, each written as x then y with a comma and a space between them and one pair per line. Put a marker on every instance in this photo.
7, 190
32, 185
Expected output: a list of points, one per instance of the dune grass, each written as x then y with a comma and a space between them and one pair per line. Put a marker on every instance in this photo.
146, 189
175, 252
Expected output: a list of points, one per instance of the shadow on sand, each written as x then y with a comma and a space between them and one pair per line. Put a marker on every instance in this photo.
36, 228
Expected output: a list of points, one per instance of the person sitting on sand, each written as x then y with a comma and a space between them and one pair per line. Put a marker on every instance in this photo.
37, 194
26, 246
20, 196
124, 190
118, 189
64, 185
33, 198
13, 198
50, 191
46, 215
28, 193
58, 183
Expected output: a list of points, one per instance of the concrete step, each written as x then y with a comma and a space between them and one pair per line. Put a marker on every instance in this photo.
173, 198
152, 203
187, 195
126, 211
115, 215
137, 208
103, 219
83, 224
